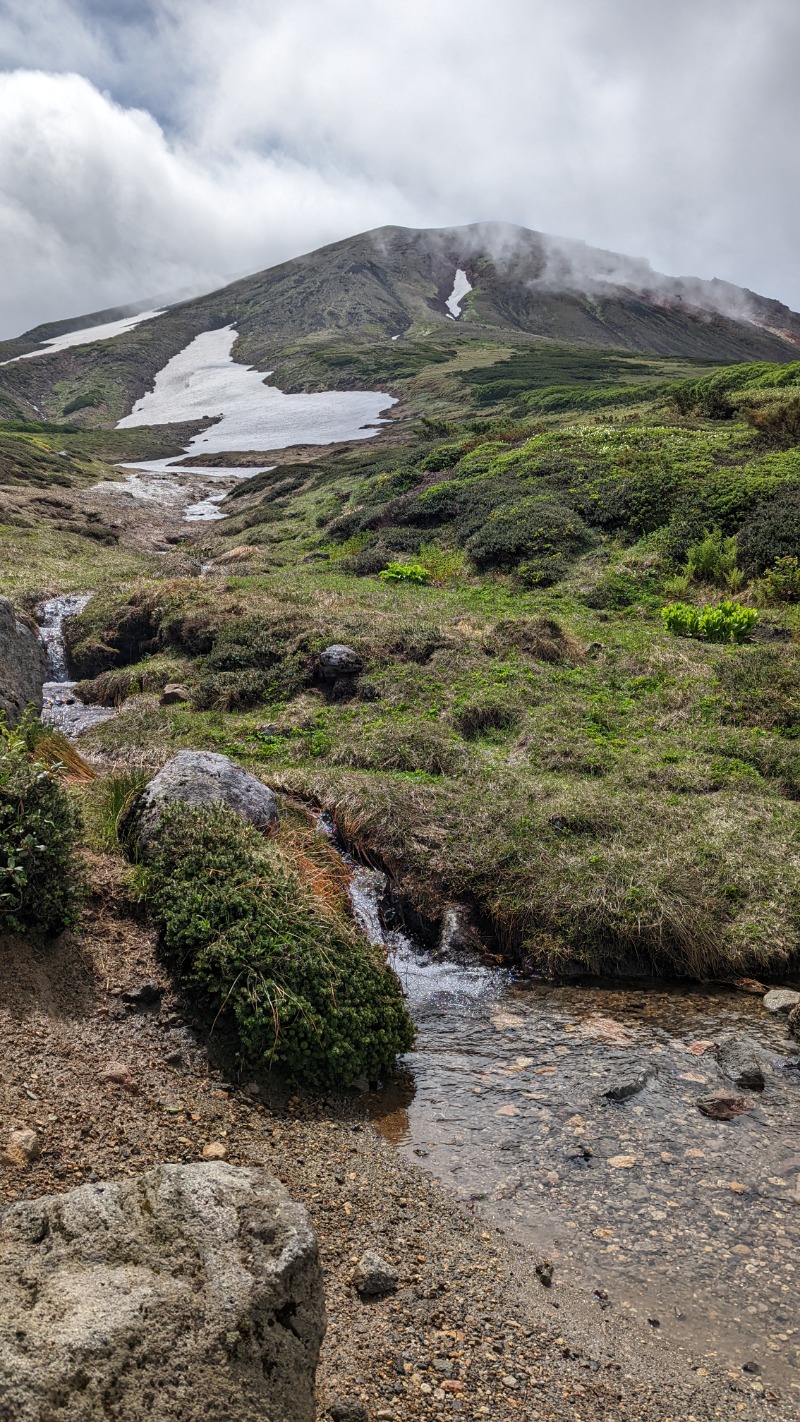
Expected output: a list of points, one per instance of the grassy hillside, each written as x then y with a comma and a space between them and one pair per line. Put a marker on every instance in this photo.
528, 736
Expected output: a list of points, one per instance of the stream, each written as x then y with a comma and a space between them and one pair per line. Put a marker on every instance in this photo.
62, 709
689, 1225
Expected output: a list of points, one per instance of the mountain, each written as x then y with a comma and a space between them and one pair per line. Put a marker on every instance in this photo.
518, 288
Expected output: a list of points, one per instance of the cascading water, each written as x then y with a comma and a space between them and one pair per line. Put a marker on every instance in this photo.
61, 708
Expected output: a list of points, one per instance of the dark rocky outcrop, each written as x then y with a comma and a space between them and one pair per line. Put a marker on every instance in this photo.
193, 1291
23, 665
200, 778
743, 1062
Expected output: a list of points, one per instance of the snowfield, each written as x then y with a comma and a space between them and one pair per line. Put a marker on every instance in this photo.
461, 286
88, 335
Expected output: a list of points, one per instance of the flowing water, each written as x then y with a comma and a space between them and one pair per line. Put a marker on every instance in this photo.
690, 1225
62, 709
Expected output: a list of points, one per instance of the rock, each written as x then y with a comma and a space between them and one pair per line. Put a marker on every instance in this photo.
348, 1409
192, 1292
21, 1149
544, 1273
629, 1085
793, 1022
458, 932
781, 1000
215, 1150
719, 1106
751, 985
173, 694
147, 994
339, 661
373, 1277
743, 1062
200, 778
23, 665
119, 1074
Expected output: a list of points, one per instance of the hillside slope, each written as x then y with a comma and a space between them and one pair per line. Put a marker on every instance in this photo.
395, 283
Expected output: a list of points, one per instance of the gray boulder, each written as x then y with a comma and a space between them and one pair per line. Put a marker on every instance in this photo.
193, 1291
781, 1000
793, 1023
743, 1062
339, 661
200, 778
23, 665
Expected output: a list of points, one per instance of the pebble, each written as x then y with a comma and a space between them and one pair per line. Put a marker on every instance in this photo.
22, 1147
373, 1277
215, 1150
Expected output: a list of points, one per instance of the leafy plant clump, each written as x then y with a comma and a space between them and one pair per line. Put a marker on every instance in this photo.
40, 884
406, 573
781, 582
726, 622
713, 560
308, 994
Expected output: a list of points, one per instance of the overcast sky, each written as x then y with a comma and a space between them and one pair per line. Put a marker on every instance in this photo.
147, 145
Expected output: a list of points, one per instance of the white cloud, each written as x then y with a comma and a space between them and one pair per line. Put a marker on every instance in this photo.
243, 131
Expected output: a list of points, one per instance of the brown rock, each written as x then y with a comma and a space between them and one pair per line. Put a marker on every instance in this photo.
22, 1148
721, 1107
793, 1022
215, 1150
120, 1075
174, 693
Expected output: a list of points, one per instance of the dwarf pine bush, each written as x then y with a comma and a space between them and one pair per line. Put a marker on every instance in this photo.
40, 885
307, 992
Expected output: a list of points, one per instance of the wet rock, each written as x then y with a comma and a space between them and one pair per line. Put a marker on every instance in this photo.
793, 1022
338, 661
781, 1000
720, 1106
751, 985
23, 665
147, 994
200, 778
196, 1285
373, 1277
629, 1085
458, 932
743, 1062
22, 1148
174, 694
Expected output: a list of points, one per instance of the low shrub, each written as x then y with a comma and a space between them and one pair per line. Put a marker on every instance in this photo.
781, 582
615, 590
307, 993
534, 530
40, 882
406, 573
725, 622
772, 531
410, 746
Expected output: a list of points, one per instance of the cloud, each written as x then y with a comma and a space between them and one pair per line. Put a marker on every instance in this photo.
175, 142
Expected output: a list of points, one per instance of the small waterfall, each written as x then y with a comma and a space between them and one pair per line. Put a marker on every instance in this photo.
61, 708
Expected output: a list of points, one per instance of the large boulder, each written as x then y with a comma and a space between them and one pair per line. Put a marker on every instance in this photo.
200, 778
781, 999
339, 661
23, 665
192, 1291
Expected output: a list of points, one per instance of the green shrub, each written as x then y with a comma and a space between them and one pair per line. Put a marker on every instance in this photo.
406, 573
615, 590
534, 530
725, 622
772, 531
781, 582
40, 883
308, 994
713, 560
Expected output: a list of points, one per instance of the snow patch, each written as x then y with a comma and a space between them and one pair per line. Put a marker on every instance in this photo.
88, 335
461, 286
204, 382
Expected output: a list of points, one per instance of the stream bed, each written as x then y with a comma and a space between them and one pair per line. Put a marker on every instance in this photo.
61, 708
689, 1225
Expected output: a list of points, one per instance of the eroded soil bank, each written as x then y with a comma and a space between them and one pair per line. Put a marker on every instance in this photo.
470, 1332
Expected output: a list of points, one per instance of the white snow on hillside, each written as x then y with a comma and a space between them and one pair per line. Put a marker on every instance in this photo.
461, 286
88, 335
204, 381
